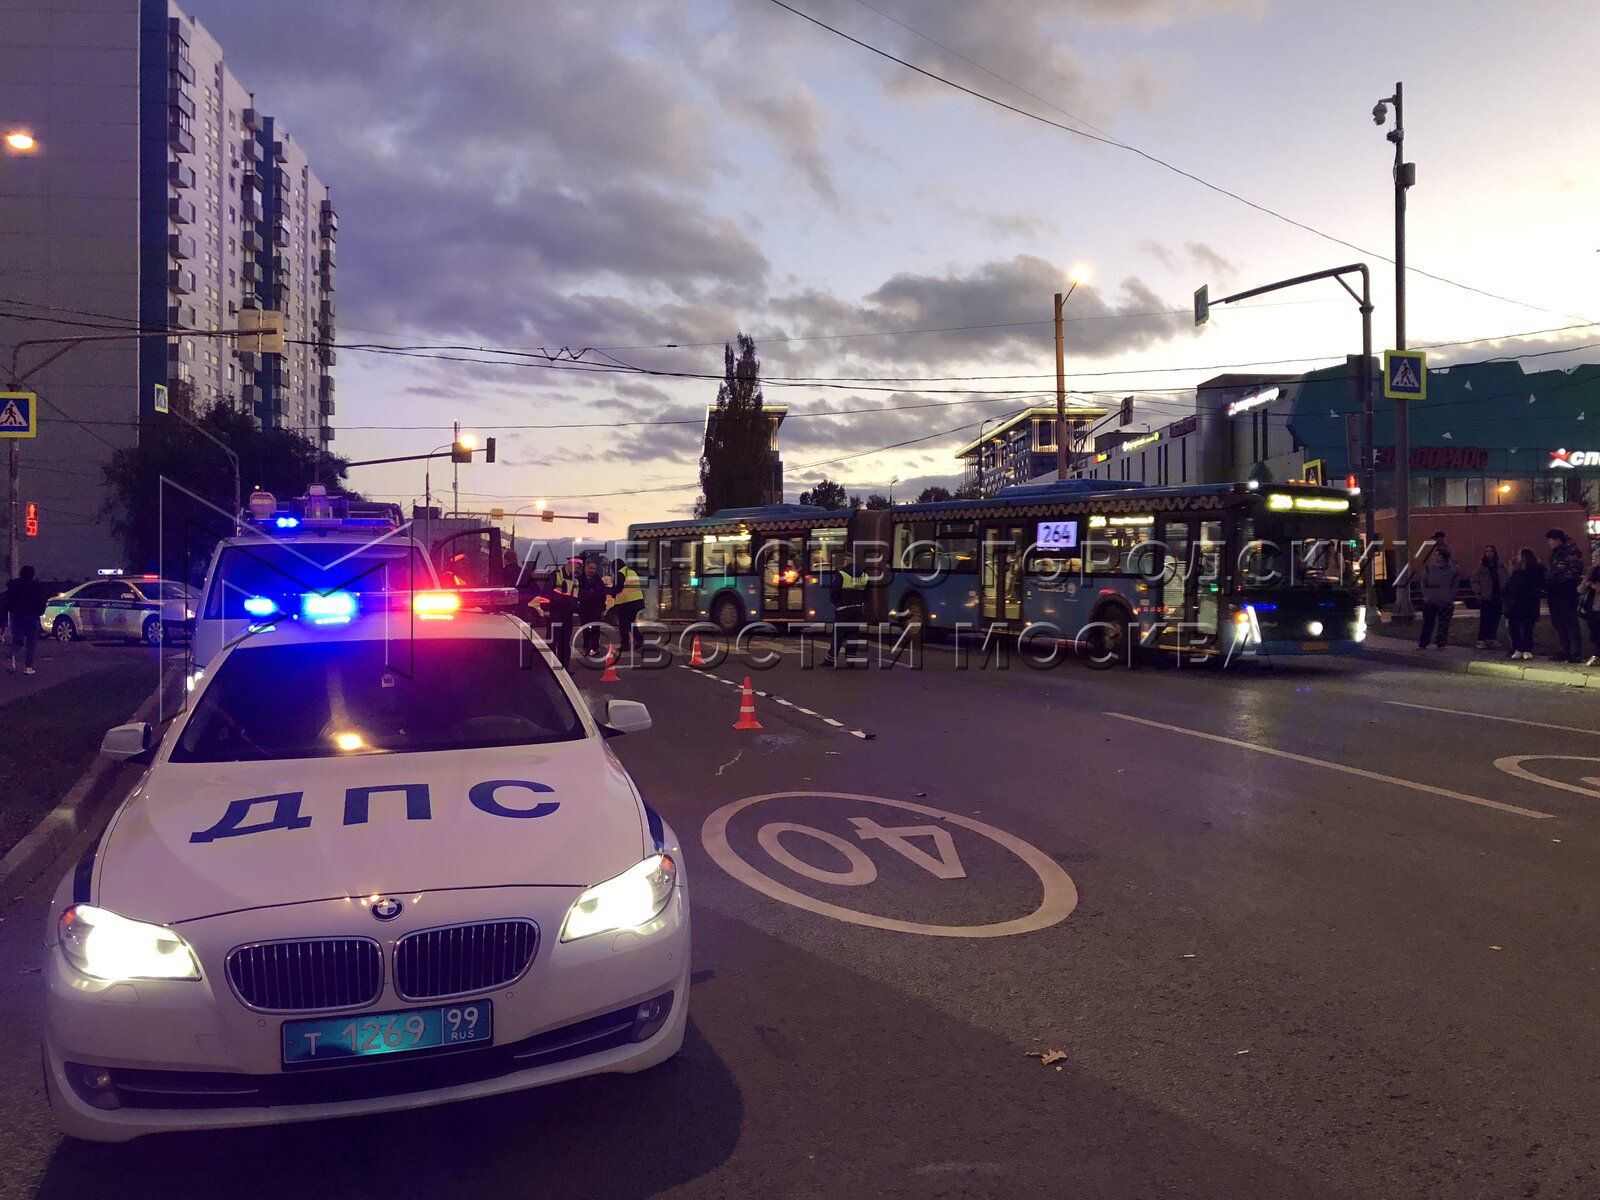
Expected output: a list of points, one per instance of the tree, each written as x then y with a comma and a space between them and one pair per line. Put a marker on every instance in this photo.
827, 494
735, 465
166, 529
877, 501
968, 491
933, 495
855, 503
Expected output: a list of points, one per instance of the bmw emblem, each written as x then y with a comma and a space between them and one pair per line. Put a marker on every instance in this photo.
386, 908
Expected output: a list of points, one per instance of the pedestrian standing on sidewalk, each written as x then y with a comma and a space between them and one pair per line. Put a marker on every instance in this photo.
1440, 578
1562, 575
1489, 585
1523, 590
25, 602
1589, 610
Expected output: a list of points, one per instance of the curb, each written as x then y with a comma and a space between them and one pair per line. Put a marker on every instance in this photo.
1528, 674
47, 840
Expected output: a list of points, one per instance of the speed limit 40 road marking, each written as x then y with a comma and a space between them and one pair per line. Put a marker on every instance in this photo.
942, 862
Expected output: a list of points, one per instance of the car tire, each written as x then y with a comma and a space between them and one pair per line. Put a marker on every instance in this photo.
727, 615
64, 630
154, 635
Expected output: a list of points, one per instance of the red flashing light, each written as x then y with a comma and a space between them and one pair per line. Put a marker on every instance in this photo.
31, 521
436, 605
1351, 483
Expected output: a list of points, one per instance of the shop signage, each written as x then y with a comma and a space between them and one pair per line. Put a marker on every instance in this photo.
1184, 427
1253, 400
1438, 458
1574, 458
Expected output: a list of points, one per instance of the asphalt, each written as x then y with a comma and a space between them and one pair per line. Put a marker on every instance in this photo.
1327, 930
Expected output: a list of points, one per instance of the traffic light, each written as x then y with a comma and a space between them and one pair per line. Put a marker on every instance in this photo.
460, 452
1126, 417
548, 515
488, 449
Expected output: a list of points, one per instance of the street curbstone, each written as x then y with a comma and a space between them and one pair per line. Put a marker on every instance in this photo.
47, 840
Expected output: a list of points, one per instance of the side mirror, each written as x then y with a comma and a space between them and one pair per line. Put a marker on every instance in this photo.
127, 741
625, 716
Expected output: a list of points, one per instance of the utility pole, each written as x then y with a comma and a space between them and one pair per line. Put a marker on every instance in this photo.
1061, 392
455, 471
1405, 175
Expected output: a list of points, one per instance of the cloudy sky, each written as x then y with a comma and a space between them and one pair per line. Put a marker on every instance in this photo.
603, 178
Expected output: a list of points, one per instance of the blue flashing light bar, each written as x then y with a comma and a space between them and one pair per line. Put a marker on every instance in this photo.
286, 522
260, 606
333, 609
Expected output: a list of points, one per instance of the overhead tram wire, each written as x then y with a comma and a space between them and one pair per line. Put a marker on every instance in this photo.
1160, 162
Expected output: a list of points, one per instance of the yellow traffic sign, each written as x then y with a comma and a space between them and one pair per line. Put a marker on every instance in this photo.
19, 415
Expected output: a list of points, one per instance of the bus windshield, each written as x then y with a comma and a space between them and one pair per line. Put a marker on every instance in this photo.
1298, 550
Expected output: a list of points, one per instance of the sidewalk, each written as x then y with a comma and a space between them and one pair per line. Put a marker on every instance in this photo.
1392, 643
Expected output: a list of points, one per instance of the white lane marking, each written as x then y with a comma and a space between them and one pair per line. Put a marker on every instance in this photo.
1333, 766
1511, 764
807, 711
1461, 712
858, 733
831, 721
1059, 899
786, 703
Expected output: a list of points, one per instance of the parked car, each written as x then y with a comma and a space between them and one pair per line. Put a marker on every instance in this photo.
145, 608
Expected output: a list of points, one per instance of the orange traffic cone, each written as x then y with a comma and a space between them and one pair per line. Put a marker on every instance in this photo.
611, 675
694, 653
747, 709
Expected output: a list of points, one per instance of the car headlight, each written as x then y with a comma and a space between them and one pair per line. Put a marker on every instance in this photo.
105, 946
629, 900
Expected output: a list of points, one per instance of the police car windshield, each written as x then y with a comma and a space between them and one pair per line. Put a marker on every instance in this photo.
276, 570
325, 699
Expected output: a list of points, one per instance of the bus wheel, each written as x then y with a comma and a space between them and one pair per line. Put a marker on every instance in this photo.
1111, 635
727, 616
916, 610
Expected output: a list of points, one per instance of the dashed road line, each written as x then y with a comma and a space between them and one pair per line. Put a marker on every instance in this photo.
1341, 767
705, 673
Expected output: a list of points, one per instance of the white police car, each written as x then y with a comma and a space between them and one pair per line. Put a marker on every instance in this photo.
383, 861
316, 543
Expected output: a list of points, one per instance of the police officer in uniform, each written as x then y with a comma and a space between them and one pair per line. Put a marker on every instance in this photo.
628, 595
848, 591
562, 606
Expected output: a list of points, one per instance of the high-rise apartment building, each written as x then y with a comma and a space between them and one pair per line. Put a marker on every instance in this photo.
158, 196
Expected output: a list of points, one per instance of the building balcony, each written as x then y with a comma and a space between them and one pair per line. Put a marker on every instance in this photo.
250, 149
325, 405
327, 433
179, 137
250, 211
325, 386
280, 232
251, 183
180, 281
251, 118
180, 246
327, 309
180, 210
250, 395
278, 155
252, 242
280, 177
182, 70
180, 174
180, 316
325, 280
328, 357
180, 101
328, 259
249, 360
330, 219
250, 271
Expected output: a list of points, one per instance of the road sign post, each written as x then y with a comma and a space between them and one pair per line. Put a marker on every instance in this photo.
19, 418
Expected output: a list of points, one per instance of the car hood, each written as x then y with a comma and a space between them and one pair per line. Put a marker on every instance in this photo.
196, 840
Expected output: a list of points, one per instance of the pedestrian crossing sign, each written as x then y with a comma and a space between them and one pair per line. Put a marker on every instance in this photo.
1405, 374
19, 415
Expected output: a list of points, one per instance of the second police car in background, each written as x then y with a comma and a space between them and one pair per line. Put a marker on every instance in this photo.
386, 859
142, 607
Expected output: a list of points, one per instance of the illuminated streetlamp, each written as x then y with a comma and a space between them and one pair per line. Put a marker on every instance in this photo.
20, 141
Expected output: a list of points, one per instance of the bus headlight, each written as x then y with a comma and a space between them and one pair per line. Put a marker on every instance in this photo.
627, 901
104, 945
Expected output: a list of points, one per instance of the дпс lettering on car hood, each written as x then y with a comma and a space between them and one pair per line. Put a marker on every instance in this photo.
202, 839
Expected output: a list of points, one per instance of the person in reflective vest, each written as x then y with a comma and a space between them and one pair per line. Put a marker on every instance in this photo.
848, 591
562, 607
628, 592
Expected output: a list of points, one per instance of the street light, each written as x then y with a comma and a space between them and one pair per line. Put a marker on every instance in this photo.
20, 141
892, 482
1078, 274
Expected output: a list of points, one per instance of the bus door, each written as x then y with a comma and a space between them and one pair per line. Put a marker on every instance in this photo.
1179, 575
783, 566
1000, 572
1208, 560
680, 569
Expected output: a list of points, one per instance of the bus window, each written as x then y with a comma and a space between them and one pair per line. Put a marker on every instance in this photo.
914, 546
728, 556
1122, 545
1208, 562
958, 549
825, 547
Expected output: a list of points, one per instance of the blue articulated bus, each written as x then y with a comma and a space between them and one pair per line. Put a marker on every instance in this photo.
739, 565
1218, 570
